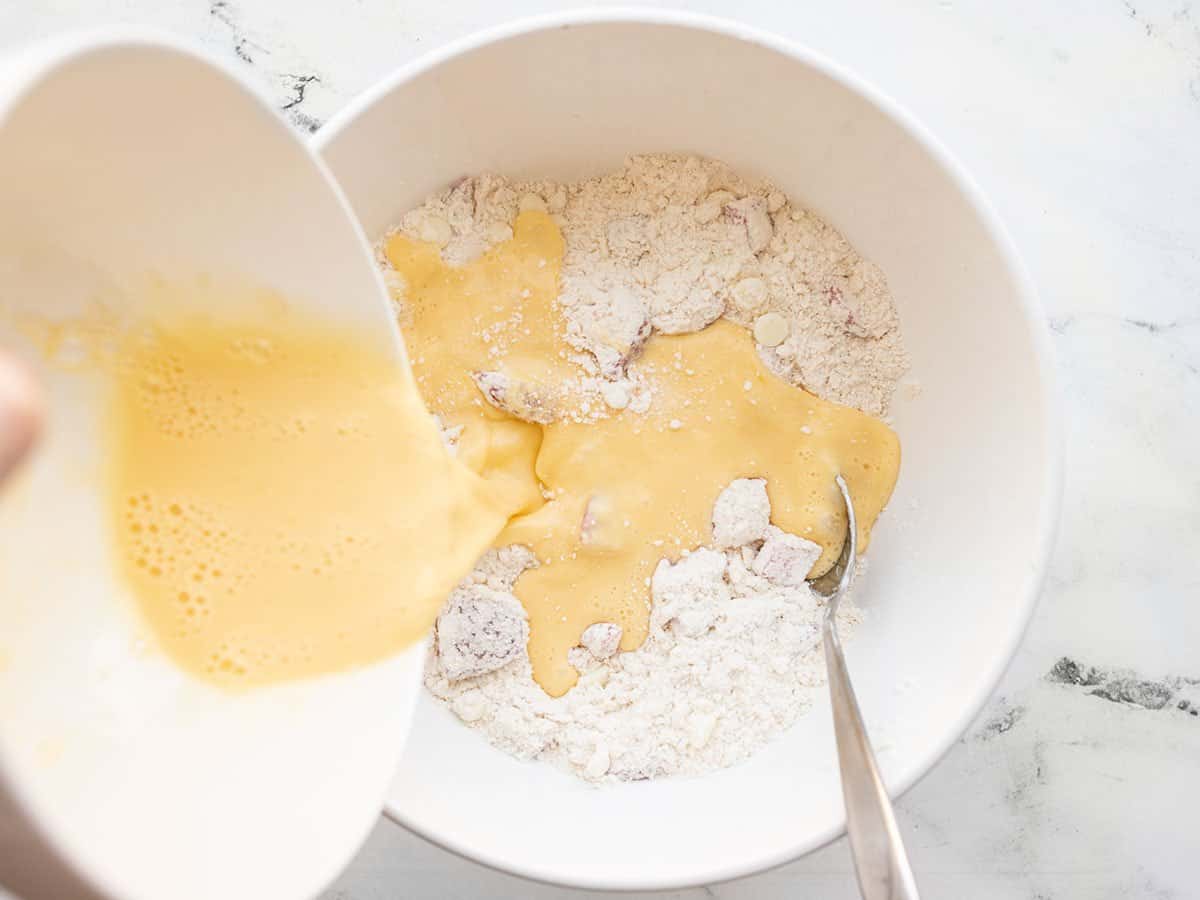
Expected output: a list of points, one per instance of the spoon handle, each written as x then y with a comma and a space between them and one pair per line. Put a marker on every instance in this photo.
879, 857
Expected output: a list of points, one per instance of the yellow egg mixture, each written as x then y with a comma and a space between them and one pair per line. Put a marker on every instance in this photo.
602, 502
282, 503
283, 506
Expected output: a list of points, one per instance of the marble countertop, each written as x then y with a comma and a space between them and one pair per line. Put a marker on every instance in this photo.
1081, 119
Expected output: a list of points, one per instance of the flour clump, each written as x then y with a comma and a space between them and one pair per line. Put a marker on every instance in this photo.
742, 513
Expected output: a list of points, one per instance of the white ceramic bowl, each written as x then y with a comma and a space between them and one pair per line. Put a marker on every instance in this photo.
956, 562
115, 768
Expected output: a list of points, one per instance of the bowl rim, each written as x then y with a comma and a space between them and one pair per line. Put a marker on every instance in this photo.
1048, 513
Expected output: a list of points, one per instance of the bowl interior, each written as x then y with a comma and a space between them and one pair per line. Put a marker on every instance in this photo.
957, 558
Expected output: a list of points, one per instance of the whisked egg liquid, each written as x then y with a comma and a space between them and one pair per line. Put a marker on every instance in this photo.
281, 502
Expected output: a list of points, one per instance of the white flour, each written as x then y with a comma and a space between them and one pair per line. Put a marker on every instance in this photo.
670, 243
732, 659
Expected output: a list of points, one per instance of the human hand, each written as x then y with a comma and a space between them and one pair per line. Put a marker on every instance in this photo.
20, 413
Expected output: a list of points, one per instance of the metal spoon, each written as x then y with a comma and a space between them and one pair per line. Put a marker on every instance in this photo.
879, 856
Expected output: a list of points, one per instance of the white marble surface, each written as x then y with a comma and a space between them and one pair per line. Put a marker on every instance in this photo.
1081, 118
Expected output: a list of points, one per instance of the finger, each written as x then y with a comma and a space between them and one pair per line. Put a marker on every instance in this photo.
20, 413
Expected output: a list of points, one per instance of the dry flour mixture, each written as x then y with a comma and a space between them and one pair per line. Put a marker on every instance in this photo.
668, 244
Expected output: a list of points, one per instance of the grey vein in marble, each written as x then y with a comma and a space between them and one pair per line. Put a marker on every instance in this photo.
291, 88
1127, 687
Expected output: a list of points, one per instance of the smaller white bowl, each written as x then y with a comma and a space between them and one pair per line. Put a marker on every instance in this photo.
124, 156
957, 559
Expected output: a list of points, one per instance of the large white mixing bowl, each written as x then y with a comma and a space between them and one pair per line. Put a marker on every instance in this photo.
957, 559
